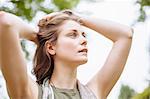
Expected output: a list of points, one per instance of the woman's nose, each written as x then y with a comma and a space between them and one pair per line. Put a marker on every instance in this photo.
83, 40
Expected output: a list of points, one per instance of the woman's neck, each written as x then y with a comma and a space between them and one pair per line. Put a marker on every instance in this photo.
64, 76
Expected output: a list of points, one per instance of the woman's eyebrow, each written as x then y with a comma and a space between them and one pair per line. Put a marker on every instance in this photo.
74, 30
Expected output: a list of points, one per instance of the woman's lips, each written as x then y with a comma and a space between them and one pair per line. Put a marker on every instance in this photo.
83, 50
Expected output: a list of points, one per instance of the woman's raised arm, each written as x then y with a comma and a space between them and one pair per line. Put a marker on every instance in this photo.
121, 36
13, 63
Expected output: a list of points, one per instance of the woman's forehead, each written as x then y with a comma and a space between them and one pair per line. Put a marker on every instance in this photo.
70, 25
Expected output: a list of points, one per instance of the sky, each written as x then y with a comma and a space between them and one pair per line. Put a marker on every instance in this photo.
136, 69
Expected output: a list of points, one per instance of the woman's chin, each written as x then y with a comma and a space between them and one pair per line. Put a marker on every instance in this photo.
82, 61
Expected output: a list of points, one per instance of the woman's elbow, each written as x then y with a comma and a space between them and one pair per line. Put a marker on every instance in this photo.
4, 20
129, 33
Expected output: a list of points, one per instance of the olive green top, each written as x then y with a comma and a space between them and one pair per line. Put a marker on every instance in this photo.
62, 93
47, 91
66, 93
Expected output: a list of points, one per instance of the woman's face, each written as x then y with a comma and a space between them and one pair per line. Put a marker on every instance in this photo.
71, 45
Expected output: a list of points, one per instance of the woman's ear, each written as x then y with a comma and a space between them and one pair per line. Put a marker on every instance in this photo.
50, 48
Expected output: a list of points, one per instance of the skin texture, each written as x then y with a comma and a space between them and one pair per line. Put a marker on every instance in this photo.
70, 41
66, 56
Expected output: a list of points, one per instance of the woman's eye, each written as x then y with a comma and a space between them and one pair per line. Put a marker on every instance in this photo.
73, 34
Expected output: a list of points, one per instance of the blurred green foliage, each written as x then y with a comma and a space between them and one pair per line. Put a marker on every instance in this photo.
65, 4
126, 92
144, 95
143, 4
27, 9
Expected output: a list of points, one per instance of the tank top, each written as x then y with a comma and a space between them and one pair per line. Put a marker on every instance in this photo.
47, 91
66, 93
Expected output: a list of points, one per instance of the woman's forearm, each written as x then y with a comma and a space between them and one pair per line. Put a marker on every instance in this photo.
113, 31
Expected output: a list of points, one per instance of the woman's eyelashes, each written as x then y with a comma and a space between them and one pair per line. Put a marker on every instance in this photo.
75, 34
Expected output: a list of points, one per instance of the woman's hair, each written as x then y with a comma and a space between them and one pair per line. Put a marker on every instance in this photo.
48, 31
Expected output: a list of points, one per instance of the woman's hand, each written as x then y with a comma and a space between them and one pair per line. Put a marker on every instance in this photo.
67, 12
73, 14
33, 37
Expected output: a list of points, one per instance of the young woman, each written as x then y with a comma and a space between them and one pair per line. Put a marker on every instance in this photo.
61, 48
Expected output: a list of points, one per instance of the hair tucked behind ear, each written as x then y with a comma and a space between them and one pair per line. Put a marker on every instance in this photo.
48, 31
